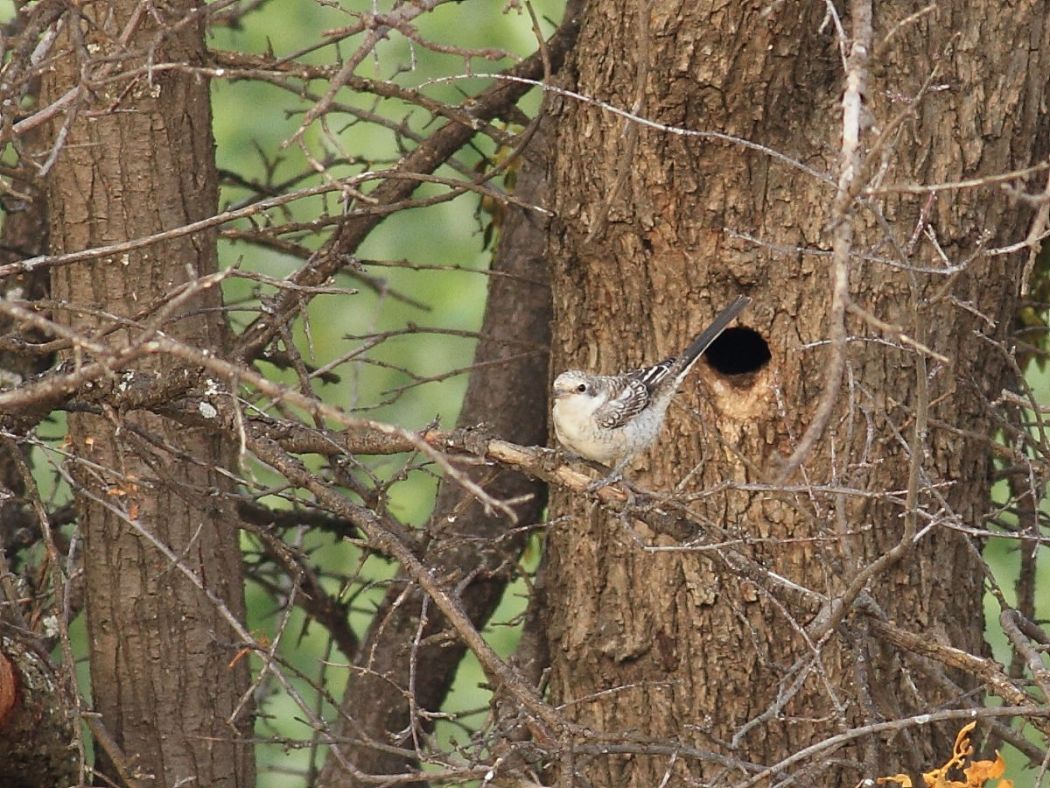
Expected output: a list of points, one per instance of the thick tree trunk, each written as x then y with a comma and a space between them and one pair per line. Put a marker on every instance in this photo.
670, 644
138, 160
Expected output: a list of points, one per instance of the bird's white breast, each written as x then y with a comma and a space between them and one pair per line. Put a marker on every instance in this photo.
576, 430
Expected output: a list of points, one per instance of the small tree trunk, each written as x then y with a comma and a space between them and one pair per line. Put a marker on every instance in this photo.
654, 639
508, 399
139, 159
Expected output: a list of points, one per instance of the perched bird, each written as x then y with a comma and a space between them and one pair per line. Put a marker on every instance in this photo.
611, 418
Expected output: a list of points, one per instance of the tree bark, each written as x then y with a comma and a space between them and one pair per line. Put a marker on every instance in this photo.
655, 640
139, 159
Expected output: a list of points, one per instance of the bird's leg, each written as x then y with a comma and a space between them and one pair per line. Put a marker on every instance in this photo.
614, 476
605, 481
567, 456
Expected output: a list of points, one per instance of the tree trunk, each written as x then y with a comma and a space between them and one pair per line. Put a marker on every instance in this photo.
138, 160
655, 639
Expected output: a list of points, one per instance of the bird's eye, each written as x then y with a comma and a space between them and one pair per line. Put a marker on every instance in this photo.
581, 388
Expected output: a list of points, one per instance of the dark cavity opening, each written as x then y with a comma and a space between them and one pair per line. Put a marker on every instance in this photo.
737, 351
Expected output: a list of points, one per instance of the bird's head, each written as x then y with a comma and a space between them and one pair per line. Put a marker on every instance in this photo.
578, 395
573, 383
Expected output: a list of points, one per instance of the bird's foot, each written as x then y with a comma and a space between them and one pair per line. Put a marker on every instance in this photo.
605, 481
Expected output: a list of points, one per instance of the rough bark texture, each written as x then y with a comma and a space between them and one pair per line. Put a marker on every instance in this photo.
508, 400
671, 645
139, 159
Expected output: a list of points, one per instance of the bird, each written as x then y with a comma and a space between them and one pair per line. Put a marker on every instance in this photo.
610, 419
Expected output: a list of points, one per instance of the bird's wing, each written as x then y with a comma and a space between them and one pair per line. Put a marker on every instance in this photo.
626, 403
633, 392
652, 377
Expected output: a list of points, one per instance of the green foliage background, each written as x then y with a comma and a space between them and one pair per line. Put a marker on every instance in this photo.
250, 118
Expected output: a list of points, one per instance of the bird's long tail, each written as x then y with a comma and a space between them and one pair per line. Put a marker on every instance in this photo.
712, 332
